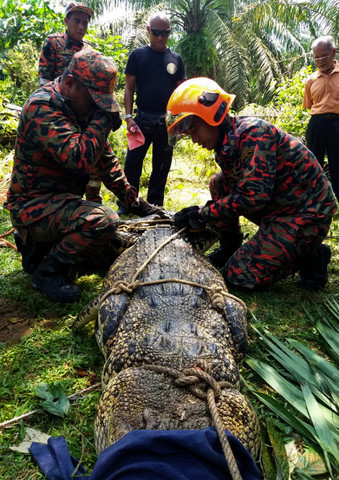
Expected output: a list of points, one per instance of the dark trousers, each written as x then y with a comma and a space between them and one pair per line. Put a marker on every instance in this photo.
273, 252
161, 163
322, 136
79, 231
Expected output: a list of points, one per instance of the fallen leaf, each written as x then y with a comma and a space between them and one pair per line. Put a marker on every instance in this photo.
31, 435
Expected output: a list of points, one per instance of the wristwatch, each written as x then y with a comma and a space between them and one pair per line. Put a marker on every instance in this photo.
128, 115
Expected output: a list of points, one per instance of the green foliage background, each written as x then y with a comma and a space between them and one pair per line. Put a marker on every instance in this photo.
51, 353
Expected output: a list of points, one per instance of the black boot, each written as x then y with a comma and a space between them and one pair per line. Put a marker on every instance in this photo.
313, 268
229, 243
32, 252
52, 280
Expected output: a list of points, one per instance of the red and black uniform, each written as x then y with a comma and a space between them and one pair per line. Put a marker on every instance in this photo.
54, 156
56, 54
272, 179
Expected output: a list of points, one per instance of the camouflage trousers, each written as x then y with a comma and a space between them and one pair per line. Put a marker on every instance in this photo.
273, 252
78, 232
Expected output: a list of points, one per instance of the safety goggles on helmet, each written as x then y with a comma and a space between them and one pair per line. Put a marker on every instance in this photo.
201, 97
179, 128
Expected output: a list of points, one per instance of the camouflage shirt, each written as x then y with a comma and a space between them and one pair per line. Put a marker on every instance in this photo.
56, 54
54, 156
269, 173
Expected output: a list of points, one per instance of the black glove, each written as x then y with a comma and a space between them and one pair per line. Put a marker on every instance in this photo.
116, 120
143, 208
189, 217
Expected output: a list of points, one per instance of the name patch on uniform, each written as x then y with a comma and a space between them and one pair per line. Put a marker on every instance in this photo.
171, 68
62, 51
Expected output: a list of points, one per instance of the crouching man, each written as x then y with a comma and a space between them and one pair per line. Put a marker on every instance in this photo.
268, 177
61, 138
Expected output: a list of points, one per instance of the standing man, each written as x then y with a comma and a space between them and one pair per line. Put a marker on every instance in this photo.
268, 177
61, 137
321, 97
153, 72
59, 48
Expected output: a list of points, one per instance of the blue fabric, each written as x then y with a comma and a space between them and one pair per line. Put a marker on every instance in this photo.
55, 460
151, 455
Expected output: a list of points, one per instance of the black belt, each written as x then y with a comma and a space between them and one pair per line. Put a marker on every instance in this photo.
332, 116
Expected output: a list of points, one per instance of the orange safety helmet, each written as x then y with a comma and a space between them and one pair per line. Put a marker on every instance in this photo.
199, 96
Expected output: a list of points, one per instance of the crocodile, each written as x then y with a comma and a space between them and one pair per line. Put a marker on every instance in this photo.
165, 322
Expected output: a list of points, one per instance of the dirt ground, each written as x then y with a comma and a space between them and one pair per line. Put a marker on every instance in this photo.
14, 321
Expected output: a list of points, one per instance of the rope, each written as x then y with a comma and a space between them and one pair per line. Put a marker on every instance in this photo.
145, 224
197, 380
216, 292
147, 261
225, 444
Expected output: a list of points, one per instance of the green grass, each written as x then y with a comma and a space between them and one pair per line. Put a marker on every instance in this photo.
51, 353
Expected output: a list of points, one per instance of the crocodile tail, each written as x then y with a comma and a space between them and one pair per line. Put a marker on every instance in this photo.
87, 315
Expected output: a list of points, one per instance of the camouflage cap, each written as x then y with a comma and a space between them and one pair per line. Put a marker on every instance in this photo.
99, 75
78, 7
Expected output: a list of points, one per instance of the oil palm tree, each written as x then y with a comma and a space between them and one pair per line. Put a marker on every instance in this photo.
245, 45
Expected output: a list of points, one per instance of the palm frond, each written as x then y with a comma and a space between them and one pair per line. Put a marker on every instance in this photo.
323, 433
318, 363
307, 382
333, 307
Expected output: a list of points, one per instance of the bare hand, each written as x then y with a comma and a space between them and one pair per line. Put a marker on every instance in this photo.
132, 127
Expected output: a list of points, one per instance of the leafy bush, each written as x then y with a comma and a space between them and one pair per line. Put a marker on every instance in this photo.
27, 20
289, 98
306, 381
20, 66
286, 110
8, 121
112, 47
198, 53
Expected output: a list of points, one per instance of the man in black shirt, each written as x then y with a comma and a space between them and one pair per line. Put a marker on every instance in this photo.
153, 72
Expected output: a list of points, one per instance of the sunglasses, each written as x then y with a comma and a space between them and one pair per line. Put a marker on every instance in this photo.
163, 33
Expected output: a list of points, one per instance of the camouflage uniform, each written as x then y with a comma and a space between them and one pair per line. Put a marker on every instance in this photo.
272, 179
52, 162
56, 54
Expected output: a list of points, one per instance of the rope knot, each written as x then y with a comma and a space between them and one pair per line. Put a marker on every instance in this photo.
121, 286
198, 382
217, 298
